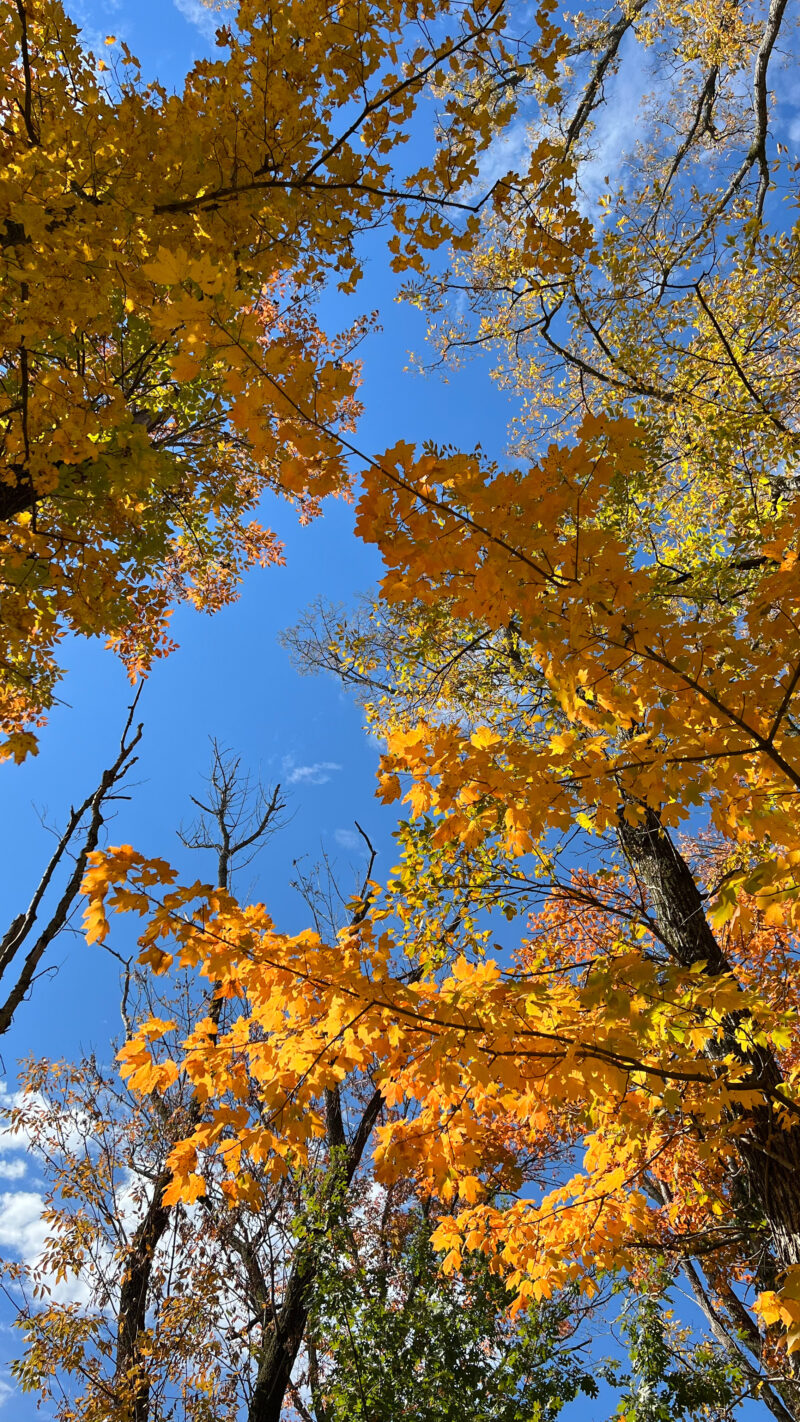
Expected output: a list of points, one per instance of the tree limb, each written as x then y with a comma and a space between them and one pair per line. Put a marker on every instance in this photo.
23, 925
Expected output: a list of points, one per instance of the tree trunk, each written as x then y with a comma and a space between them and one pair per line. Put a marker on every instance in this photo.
282, 1342
17, 498
131, 1374
769, 1152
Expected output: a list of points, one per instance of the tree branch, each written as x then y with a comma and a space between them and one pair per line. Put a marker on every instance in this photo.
22, 926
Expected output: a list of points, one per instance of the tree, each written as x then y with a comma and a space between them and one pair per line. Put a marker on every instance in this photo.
638, 578
386, 1334
203, 1309
625, 604
402, 1340
591, 1041
161, 367
142, 1307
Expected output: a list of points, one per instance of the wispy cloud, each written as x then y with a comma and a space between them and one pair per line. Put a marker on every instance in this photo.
94, 37
317, 774
620, 124
348, 839
507, 153
204, 18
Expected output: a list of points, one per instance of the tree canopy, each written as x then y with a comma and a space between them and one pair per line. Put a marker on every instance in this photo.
162, 369
583, 662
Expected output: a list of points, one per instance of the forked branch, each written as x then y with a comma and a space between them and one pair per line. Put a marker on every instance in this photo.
89, 817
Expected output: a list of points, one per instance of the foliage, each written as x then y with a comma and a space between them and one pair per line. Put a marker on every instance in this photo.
570, 660
590, 1043
662, 1385
161, 369
101, 1155
404, 1340
385, 1333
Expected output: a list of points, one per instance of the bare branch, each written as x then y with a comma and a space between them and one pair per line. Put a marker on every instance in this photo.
239, 816
22, 927
589, 98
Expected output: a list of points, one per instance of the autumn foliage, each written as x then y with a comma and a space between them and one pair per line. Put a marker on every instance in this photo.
161, 371
589, 1037
583, 662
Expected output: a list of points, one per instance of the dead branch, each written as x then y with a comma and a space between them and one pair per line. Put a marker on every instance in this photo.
23, 926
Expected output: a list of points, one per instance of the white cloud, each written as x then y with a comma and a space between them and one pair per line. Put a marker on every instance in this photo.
204, 18
23, 1236
5, 1392
507, 153
317, 774
12, 1169
348, 839
22, 1229
10, 1141
20, 1140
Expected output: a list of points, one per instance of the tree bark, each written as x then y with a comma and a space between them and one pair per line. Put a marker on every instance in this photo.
770, 1153
282, 1342
16, 498
131, 1368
